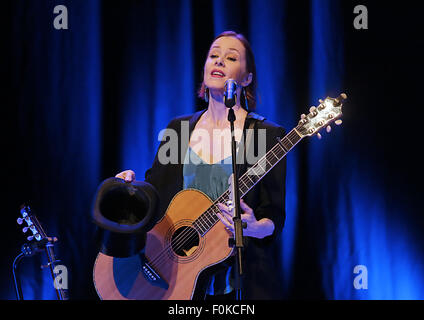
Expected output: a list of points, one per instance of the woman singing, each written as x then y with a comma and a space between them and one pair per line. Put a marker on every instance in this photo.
207, 167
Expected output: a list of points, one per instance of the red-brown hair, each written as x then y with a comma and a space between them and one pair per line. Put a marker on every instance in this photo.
250, 68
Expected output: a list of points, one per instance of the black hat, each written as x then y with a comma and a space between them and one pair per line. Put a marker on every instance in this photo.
124, 213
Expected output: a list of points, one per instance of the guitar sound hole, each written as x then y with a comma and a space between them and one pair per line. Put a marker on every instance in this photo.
184, 241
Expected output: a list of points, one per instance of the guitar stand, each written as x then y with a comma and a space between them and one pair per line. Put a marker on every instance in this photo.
28, 250
16, 278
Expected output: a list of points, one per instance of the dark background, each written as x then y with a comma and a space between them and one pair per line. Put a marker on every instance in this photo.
86, 103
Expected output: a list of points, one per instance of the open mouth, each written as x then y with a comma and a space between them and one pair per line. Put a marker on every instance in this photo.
217, 74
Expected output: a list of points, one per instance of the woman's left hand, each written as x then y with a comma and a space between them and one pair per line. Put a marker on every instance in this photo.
256, 229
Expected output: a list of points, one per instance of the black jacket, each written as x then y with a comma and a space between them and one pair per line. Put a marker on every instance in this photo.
262, 257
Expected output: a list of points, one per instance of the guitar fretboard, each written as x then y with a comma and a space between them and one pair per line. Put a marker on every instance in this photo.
249, 179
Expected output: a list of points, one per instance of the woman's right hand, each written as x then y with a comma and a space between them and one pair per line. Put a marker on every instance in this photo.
127, 175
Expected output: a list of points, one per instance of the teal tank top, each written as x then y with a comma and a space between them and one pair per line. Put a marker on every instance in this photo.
211, 179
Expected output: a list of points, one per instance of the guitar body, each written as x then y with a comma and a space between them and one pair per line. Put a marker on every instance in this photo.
177, 268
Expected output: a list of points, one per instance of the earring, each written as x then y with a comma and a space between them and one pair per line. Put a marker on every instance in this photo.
246, 102
206, 95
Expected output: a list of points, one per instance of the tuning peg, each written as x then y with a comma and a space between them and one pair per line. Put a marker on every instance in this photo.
341, 97
328, 129
52, 239
30, 238
25, 229
20, 220
24, 211
303, 119
337, 123
313, 111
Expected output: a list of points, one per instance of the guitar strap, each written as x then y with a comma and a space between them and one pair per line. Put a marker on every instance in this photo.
253, 118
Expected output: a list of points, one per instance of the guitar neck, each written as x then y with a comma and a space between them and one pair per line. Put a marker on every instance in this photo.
249, 179
43, 242
261, 168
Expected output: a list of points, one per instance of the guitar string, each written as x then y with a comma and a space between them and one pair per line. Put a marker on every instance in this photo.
188, 235
182, 239
191, 233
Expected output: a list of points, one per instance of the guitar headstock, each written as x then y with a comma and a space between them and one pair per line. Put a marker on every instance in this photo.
329, 110
32, 224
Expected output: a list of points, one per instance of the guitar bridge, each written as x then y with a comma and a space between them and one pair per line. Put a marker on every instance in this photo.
151, 275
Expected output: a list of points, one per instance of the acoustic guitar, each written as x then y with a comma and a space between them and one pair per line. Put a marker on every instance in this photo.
190, 237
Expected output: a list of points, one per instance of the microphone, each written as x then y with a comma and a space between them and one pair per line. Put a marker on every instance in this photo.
230, 93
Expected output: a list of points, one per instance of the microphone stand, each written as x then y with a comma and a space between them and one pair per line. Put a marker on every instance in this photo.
238, 225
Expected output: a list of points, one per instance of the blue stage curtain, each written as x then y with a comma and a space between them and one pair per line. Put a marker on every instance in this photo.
56, 83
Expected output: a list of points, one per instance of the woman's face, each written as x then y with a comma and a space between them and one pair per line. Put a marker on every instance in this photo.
226, 60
